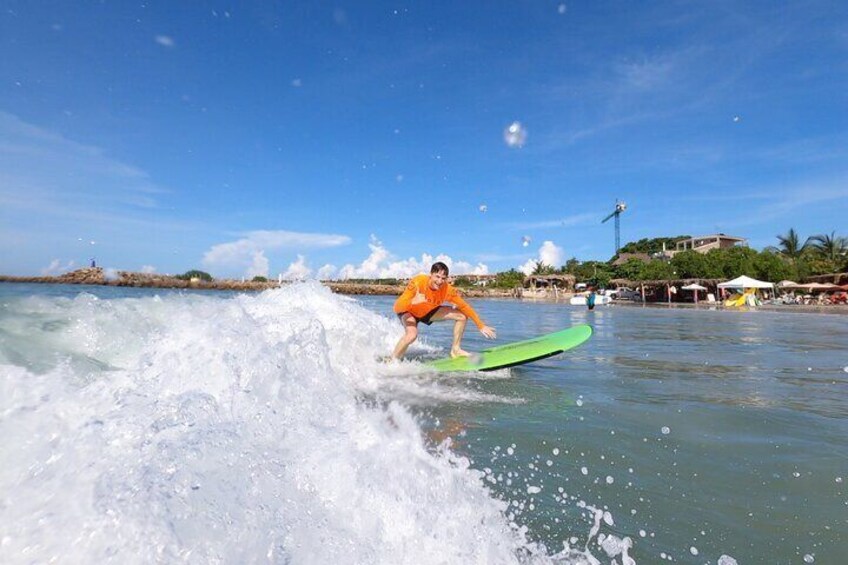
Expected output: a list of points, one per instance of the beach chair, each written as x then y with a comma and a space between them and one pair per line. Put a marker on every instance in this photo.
711, 298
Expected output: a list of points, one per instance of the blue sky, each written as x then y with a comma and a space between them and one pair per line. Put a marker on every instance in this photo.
367, 139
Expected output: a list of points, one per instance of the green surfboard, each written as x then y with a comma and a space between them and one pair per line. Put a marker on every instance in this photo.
517, 353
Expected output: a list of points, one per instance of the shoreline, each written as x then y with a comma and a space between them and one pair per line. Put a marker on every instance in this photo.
96, 277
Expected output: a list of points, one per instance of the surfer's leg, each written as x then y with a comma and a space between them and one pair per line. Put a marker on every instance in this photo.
459, 319
410, 327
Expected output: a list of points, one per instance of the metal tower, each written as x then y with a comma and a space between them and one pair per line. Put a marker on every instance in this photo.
619, 208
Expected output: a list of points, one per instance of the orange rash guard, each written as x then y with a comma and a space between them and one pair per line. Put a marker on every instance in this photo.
433, 299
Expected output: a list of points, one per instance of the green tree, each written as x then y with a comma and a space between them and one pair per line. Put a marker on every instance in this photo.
812, 262
738, 261
830, 247
653, 245
773, 267
657, 270
543, 268
631, 270
790, 244
689, 264
509, 279
570, 266
714, 264
259, 278
596, 272
195, 274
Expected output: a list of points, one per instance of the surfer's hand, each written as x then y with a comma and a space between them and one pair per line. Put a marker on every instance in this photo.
418, 298
489, 332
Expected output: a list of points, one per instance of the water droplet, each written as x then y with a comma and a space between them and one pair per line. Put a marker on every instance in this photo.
584, 470
693, 550
515, 135
809, 558
484, 208
525, 241
665, 430
561, 9
610, 480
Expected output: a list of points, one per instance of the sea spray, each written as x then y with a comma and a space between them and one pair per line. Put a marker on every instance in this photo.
198, 428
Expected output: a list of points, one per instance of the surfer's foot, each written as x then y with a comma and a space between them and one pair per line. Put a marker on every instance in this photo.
457, 352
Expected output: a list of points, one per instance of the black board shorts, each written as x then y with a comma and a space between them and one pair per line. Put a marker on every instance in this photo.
425, 319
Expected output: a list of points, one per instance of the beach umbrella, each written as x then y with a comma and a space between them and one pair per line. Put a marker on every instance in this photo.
820, 287
694, 287
787, 284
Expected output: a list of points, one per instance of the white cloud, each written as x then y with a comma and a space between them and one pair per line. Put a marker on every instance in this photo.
326, 272
164, 40
249, 252
41, 171
148, 269
56, 268
549, 254
259, 265
379, 265
298, 270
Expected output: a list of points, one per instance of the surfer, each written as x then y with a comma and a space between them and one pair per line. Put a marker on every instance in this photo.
422, 302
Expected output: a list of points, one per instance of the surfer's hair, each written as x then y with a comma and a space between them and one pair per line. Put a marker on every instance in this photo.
439, 267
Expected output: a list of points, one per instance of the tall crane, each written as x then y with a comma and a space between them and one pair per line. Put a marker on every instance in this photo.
619, 208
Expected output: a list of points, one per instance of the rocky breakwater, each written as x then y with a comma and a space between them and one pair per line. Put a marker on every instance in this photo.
342, 287
96, 275
93, 275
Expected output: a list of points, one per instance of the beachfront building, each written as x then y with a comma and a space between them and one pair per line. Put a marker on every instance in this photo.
476, 280
706, 243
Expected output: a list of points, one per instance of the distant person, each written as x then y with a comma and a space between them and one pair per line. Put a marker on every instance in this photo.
590, 300
93, 263
422, 301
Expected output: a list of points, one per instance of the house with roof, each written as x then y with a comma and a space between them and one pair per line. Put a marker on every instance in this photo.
706, 243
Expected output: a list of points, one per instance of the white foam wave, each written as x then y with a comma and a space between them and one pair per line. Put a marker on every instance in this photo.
200, 429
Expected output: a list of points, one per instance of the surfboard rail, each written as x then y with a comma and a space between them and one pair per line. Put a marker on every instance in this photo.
517, 353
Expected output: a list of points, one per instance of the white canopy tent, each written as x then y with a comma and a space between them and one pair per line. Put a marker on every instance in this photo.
746, 282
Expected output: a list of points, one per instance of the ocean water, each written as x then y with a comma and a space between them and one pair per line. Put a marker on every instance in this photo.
144, 425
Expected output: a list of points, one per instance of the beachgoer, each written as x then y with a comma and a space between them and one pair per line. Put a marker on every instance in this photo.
590, 300
422, 301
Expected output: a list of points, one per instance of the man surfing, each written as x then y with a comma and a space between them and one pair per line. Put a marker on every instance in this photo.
422, 302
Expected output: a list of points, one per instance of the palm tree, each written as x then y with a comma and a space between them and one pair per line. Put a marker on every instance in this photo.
542, 268
790, 244
831, 247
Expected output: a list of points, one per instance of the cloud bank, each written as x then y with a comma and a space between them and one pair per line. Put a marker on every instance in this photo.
248, 253
549, 254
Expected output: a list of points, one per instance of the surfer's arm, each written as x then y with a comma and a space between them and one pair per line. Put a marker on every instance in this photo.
404, 301
454, 298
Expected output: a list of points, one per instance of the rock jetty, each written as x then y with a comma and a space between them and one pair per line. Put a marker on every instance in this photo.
97, 276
